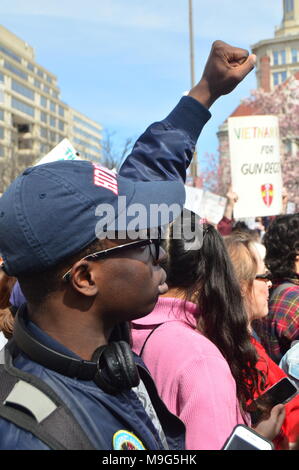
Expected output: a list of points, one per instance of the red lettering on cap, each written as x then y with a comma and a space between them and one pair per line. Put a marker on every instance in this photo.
105, 178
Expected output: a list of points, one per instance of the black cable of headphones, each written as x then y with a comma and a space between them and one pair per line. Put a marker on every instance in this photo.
113, 370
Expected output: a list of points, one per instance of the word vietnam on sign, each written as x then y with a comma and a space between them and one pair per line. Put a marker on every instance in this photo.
255, 165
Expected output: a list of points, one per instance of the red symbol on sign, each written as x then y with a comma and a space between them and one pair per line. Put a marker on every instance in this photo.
267, 194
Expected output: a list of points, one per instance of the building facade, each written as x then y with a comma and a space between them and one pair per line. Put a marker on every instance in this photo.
278, 57
33, 119
277, 62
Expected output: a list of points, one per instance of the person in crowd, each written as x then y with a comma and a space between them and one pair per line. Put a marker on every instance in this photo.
195, 342
226, 223
255, 282
281, 326
81, 285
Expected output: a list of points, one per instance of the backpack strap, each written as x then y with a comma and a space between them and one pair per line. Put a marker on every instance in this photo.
29, 403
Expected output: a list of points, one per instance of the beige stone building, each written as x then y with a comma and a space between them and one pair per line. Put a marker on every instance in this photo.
278, 57
33, 119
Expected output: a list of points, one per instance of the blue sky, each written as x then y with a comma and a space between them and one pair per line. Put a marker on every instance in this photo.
126, 63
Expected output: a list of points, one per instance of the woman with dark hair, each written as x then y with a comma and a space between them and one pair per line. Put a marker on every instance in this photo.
281, 327
255, 282
196, 343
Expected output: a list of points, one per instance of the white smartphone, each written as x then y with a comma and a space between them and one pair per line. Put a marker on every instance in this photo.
244, 438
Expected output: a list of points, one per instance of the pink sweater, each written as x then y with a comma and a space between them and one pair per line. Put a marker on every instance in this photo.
192, 376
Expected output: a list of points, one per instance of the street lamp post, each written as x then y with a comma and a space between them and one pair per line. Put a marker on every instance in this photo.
191, 42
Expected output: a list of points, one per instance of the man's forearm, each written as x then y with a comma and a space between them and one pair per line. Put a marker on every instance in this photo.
166, 148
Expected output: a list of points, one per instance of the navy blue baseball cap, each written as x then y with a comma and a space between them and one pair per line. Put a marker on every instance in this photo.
54, 210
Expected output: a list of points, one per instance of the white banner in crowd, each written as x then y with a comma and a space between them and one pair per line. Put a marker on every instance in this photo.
207, 205
63, 151
212, 207
255, 165
193, 199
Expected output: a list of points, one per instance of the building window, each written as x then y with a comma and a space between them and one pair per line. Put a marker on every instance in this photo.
77, 130
1, 115
53, 136
30, 67
43, 116
1, 132
49, 79
52, 122
55, 94
288, 146
43, 101
279, 57
1, 151
21, 106
23, 90
61, 111
37, 83
294, 56
11, 54
1, 77
15, 70
86, 124
40, 73
279, 77
46, 89
288, 5
86, 145
44, 148
61, 126
43, 132
52, 107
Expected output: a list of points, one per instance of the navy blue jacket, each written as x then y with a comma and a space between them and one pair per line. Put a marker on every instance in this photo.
163, 152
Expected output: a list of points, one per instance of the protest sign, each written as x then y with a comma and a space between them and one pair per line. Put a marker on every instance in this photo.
212, 207
255, 165
207, 205
63, 151
193, 199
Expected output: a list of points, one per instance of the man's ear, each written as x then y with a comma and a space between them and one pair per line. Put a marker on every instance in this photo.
82, 278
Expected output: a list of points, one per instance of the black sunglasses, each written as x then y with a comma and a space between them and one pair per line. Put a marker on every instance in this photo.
154, 245
264, 277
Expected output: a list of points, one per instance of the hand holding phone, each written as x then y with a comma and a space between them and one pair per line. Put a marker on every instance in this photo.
244, 438
282, 392
270, 427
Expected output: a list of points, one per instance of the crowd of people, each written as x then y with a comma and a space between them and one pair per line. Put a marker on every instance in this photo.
162, 341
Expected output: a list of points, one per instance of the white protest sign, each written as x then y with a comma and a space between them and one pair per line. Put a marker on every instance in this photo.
207, 205
63, 151
193, 199
255, 165
212, 207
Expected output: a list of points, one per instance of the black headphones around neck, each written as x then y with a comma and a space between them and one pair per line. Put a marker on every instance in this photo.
112, 367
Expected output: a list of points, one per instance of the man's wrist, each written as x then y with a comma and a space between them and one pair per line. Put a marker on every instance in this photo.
201, 92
